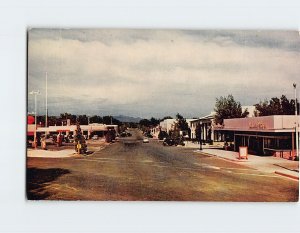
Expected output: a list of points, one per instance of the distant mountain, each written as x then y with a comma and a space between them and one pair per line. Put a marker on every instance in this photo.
128, 119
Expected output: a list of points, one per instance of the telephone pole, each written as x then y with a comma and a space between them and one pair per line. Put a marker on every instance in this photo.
46, 117
296, 122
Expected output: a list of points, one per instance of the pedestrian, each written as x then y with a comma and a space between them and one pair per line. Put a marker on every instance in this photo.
58, 140
43, 143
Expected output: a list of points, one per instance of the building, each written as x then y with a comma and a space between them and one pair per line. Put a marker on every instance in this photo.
89, 130
167, 125
154, 130
207, 123
266, 135
251, 109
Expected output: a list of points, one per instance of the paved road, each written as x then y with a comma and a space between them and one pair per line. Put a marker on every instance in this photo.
132, 170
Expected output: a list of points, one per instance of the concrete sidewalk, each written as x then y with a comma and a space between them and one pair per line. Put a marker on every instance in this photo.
38, 153
266, 164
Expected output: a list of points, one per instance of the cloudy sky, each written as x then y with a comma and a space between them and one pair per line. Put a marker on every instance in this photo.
146, 73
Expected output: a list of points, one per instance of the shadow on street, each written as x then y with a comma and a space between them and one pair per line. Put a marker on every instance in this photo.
37, 179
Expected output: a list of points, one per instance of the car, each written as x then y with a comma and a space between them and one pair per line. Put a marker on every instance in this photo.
95, 137
145, 140
169, 142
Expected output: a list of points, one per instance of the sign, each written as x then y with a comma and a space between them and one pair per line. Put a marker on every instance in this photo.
243, 152
257, 125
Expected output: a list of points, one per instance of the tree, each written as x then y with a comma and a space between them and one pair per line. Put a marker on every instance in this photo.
162, 135
227, 108
181, 123
83, 119
154, 121
145, 123
166, 117
109, 119
65, 116
276, 106
96, 119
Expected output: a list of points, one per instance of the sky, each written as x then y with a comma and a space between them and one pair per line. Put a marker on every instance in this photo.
145, 73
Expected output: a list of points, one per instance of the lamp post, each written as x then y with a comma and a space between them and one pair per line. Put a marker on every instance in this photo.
35, 93
200, 136
296, 122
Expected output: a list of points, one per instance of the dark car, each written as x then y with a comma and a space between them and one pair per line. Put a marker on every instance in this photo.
169, 142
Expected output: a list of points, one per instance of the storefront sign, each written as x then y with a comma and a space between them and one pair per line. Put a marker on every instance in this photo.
243, 152
256, 125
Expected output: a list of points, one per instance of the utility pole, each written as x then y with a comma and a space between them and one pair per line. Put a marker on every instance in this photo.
296, 122
201, 136
35, 93
46, 117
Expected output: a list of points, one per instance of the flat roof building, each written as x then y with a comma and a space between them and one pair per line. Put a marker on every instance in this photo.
262, 135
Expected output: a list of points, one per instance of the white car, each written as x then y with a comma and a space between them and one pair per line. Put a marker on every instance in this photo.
145, 140
95, 137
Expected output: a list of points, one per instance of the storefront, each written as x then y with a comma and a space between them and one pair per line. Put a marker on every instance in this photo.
268, 135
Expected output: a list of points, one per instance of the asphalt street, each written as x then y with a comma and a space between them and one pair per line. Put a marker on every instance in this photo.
133, 170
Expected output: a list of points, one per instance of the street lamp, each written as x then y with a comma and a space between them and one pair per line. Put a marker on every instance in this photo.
296, 122
35, 93
200, 135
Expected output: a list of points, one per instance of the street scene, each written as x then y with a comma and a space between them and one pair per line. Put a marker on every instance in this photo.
162, 115
133, 170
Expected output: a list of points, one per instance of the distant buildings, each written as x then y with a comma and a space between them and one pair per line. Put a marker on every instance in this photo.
207, 123
250, 109
167, 125
89, 130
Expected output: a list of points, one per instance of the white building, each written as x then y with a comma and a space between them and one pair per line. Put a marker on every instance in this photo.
167, 125
207, 123
250, 109
90, 129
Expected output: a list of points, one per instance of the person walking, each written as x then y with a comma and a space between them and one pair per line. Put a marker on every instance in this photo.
43, 143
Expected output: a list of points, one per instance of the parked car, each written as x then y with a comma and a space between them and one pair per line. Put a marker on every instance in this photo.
173, 142
145, 140
95, 137
168, 142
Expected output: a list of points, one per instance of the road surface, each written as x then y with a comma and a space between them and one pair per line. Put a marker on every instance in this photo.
133, 170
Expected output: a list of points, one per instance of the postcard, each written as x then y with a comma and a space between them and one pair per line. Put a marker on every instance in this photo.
162, 115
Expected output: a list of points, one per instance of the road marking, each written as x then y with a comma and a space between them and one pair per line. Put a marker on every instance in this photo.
252, 174
105, 159
127, 162
111, 159
203, 168
230, 168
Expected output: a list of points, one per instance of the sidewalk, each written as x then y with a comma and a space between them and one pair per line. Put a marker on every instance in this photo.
38, 153
267, 164
65, 151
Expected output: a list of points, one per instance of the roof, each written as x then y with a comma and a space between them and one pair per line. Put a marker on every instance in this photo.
275, 123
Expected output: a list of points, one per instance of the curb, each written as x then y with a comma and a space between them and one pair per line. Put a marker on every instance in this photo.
287, 175
228, 159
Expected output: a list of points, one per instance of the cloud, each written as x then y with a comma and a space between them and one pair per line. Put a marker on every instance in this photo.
160, 71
